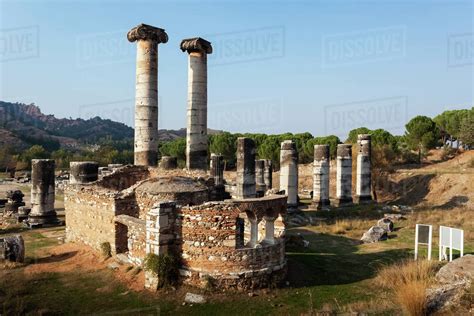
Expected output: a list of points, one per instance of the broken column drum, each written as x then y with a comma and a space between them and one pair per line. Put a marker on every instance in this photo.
217, 169
83, 172
289, 171
168, 162
321, 176
146, 95
42, 192
260, 175
344, 175
245, 168
196, 131
364, 173
268, 174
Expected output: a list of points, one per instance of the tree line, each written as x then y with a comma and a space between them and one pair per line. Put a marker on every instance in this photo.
422, 133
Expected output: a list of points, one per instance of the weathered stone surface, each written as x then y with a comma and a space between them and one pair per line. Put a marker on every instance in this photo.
268, 174
321, 176
83, 171
42, 193
12, 248
168, 162
393, 217
344, 175
453, 282
192, 298
374, 234
364, 169
245, 187
146, 95
386, 224
289, 171
196, 128
217, 169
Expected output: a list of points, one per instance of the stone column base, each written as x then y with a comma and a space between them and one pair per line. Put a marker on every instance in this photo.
343, 202
323, 205
363, 199
44, 220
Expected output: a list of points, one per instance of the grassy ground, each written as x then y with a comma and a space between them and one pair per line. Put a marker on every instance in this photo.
334, 273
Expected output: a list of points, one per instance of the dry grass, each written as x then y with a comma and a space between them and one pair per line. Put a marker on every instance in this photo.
347, 227
408, 280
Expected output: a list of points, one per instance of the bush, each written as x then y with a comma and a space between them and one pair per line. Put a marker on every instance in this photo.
164, 266
106, 249
409, 281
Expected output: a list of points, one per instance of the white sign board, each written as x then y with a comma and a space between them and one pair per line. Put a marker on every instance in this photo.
451, 238
423, 236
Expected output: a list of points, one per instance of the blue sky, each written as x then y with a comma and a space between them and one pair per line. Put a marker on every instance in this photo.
278, 66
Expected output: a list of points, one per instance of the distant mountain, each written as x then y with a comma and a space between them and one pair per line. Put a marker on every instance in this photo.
23, 125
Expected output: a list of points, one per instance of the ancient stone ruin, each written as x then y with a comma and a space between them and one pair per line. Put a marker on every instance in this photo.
14, 202
230, 234
143, 209
42, 193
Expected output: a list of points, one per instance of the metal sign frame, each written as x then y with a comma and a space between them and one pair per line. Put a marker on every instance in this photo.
430, 239
449, 244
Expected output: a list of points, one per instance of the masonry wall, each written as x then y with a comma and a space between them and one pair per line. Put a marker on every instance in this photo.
89, 216
210, 250
133, 234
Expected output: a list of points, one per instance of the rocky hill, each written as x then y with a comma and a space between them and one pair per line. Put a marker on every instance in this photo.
23, 125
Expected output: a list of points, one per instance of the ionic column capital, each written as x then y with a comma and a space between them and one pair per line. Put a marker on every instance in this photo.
196, 44
148, 33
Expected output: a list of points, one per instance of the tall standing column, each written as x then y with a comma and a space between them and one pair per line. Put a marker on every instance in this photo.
289, 171
196, 131
321, 176
245, 168
146, 94
42, 193
344, 175
364, 172
260, 176
268, 174
217, 169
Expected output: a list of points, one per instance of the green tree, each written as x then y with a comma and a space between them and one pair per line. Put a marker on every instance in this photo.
352, 138
270, 149
34, 152
226, 145
421, 134
466, 134
175, 148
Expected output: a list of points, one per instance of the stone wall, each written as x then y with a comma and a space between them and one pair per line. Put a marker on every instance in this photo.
136, 235
89, 215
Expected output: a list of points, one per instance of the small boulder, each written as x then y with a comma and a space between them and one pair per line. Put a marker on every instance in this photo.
192, 298
374, 234
453, 282
393, 217
12, 248
386, 224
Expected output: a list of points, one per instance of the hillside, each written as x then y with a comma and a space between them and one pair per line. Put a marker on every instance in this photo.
23, 125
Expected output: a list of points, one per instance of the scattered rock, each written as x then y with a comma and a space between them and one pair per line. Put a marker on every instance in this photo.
454, 280
12, 248
296, 241
113, 266
192, 298
374, 234
252, 294
393, 217
386, 224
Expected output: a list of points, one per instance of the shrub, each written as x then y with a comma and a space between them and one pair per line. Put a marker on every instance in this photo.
106, 250
164, 266
409, 281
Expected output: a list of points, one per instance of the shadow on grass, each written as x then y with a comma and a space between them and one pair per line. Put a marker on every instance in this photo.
55, 258
335, 260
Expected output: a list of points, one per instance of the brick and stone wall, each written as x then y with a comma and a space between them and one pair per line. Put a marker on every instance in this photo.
135, 232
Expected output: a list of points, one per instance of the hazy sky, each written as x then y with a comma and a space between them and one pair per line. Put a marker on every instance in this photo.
278, 66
